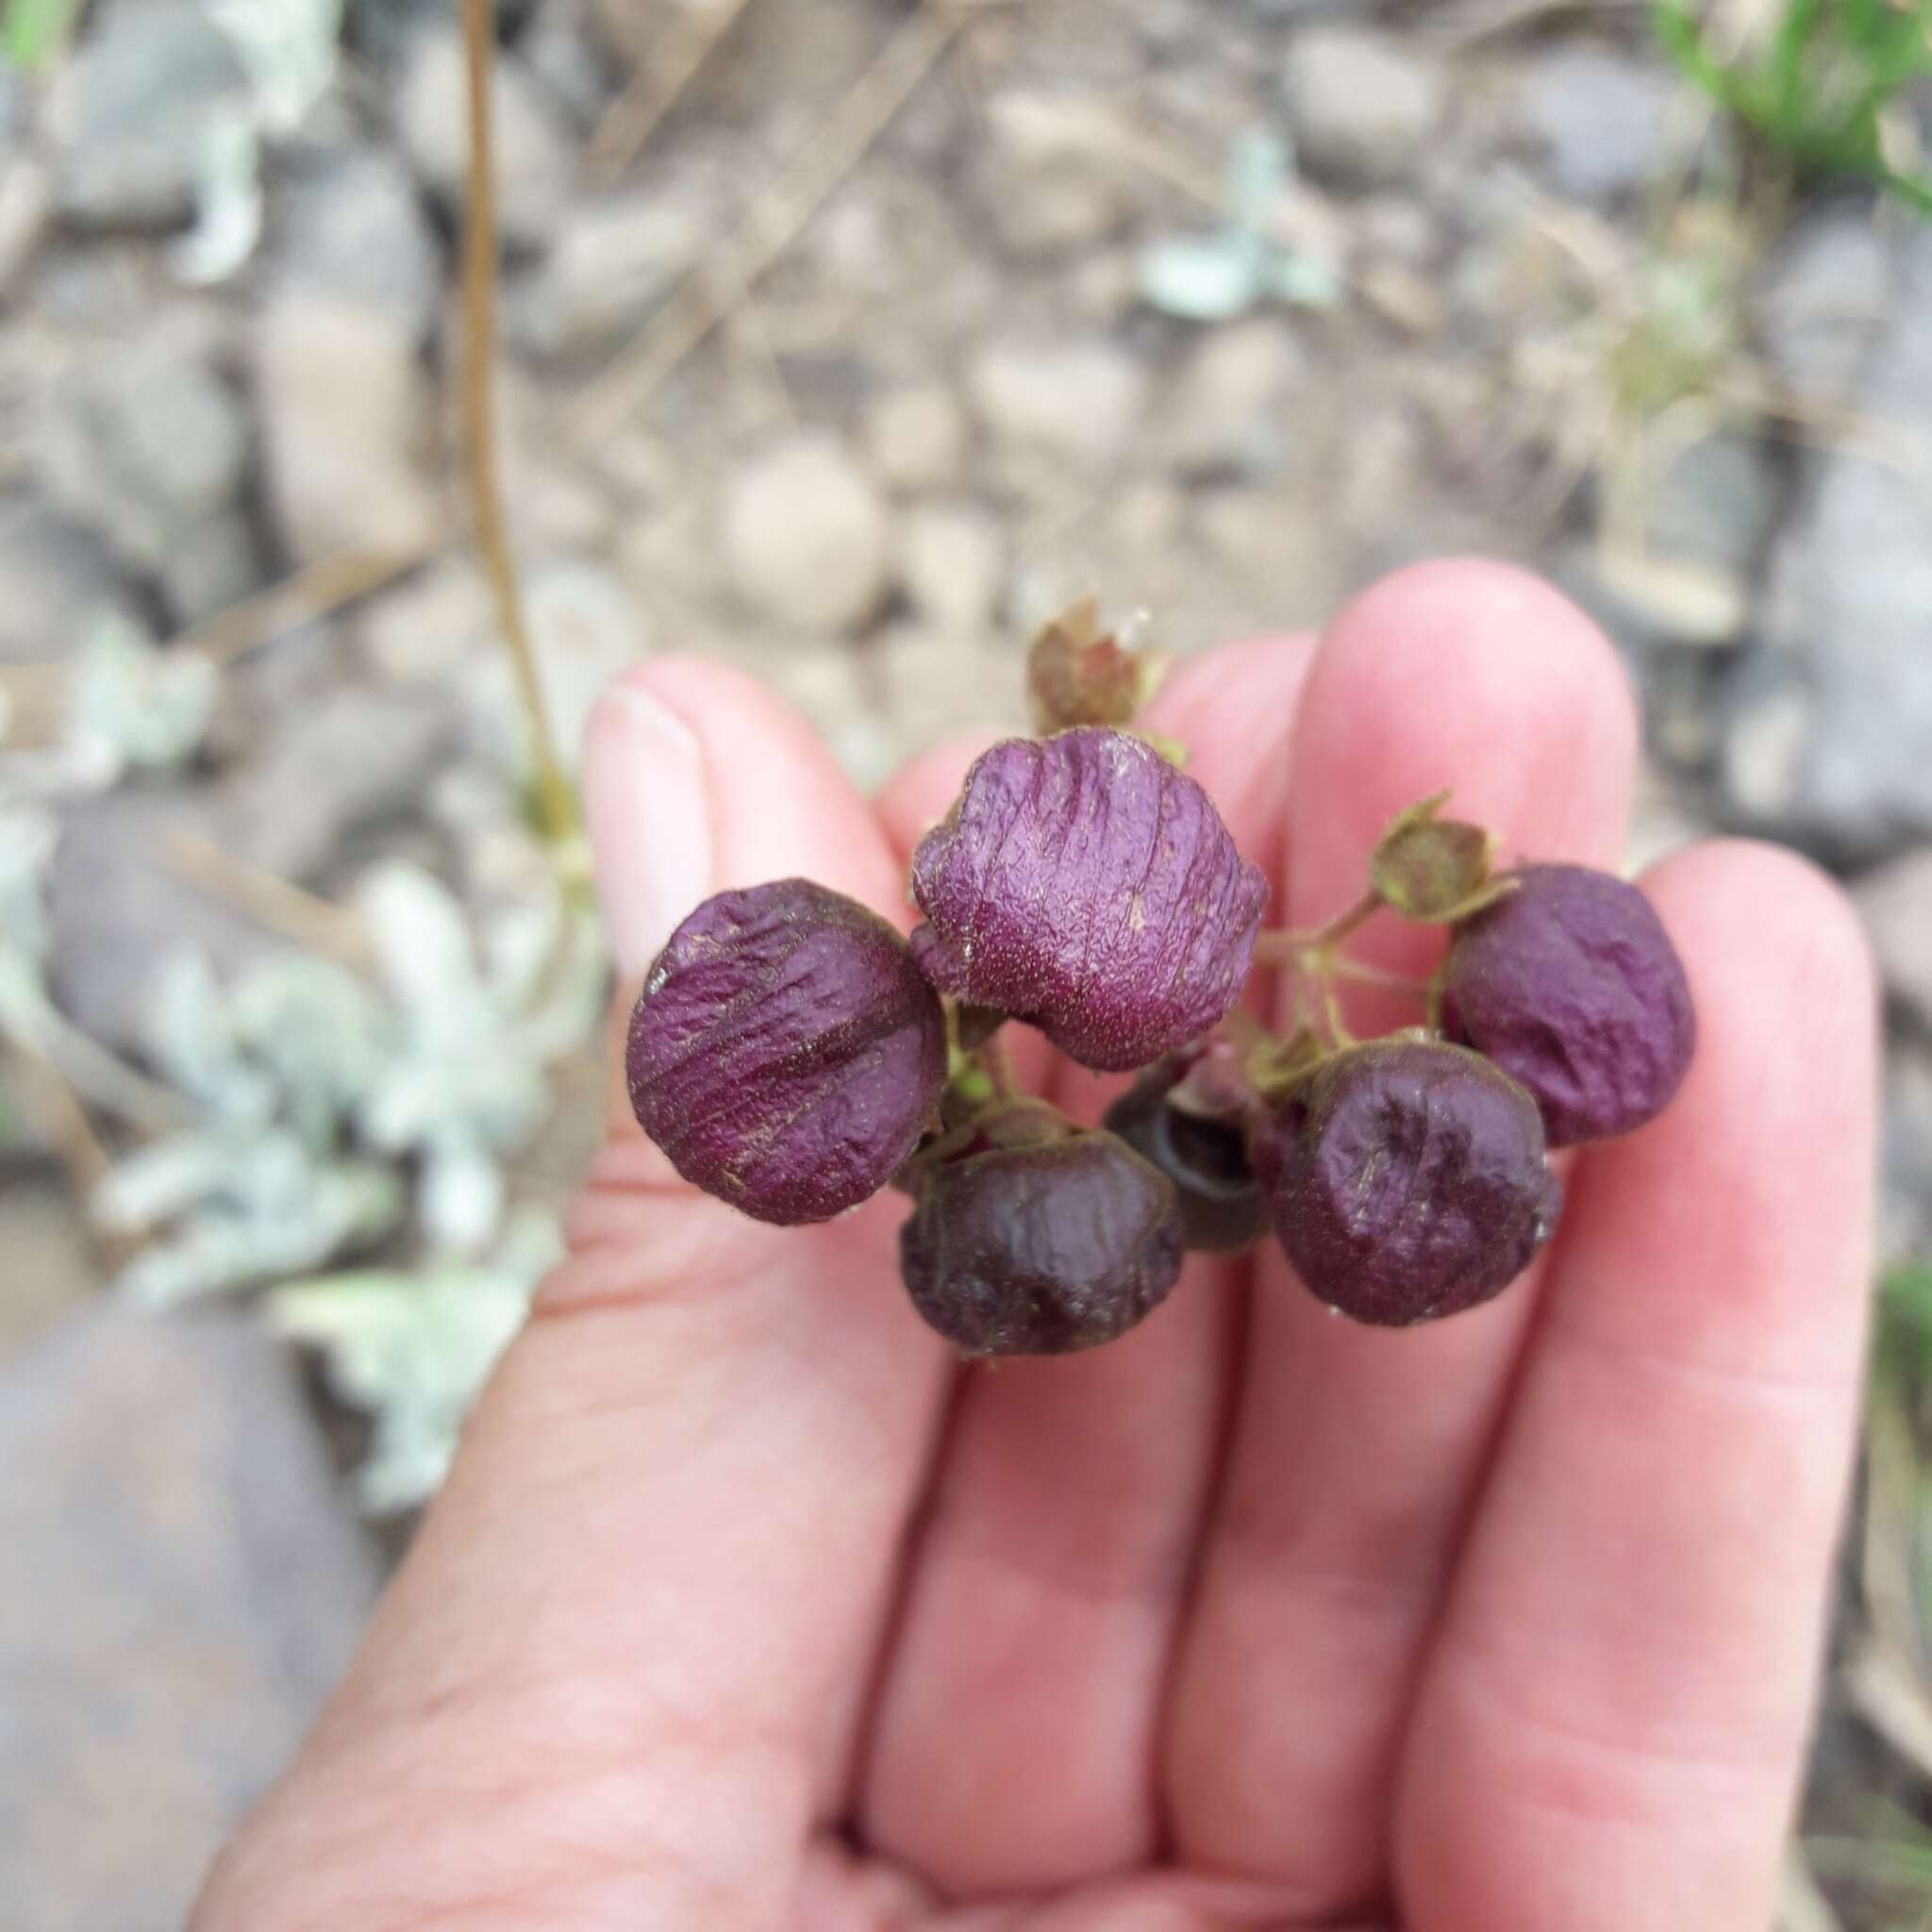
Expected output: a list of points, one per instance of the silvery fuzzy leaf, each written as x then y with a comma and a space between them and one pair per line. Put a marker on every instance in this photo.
214, 1254
27, 838
568, 1011
518, 945
460, 1195
1260, 164
289, 48
1203, 277
134, 705
227, 201
496, 1091
191, 1038
249, 1208
422, 947
1305, 281
162, 1180
416, 1349
319, 1030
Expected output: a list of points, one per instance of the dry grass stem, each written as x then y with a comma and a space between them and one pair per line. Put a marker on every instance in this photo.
553, 804
712, 291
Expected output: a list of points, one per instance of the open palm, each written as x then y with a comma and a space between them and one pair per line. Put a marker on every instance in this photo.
746, 1607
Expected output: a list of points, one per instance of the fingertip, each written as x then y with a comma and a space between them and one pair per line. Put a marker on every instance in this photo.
1749, 898
1787, 1004
1472, 676
697, 780
1758, 1179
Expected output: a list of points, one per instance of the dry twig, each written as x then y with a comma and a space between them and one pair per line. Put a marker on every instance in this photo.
657, 87
312, 923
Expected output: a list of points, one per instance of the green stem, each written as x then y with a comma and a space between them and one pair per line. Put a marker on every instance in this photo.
999, 1068
1284, 946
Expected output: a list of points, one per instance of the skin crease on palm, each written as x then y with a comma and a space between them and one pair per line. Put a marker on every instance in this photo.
745, 1608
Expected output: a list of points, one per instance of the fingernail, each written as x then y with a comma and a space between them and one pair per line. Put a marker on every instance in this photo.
645, 804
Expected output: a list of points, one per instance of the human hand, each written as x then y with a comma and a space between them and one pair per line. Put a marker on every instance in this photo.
744, 1607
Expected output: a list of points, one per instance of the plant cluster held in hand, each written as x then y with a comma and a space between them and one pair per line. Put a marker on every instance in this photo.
793, 1055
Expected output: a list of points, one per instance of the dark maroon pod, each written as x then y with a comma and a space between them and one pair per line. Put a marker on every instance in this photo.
1061, 1243
1085, 884
1570, 983
1223, 1209
786, 1054
1406, 1180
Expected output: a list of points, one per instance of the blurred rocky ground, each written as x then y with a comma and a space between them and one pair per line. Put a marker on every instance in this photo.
1530, 311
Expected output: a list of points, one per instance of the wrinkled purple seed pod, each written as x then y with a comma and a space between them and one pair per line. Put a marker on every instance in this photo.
1408, 1181
1041, 1250
786, 1053
1571, 984
1223, 1210
1084, 884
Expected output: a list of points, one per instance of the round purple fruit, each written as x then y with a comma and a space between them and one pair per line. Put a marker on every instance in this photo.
786, 1054
1083, 883
1570, 983
1037, 1238
1406, 1180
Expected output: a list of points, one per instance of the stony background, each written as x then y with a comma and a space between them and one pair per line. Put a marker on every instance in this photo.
942, 413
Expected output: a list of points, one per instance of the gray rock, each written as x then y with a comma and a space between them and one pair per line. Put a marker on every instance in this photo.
430, 626
1598, 119
560, 48
806, 536
27, 199
1049, 172
1846, 615
1895, 903
150, 450
133, 111
936, 685
345, 764
1822, 299
343, 409
1717, 503
193, 1589
953, 563
349, 223
586, 629
1361, 105
612, 264
1645, 600
16, 107
916, 436
119, 907
1229, 414
536, 147
55, 579
1069, 406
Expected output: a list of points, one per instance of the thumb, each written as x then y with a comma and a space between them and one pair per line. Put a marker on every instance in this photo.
698, 780
661, 1563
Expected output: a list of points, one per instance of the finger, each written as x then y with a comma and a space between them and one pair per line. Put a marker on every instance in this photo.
1356, 1450
640, 1617
1018, 1721
1614, 1712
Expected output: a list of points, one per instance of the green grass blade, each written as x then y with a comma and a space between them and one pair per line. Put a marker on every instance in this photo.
35, 30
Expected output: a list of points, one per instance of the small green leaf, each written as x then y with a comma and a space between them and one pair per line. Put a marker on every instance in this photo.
36, 31
1433, 869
